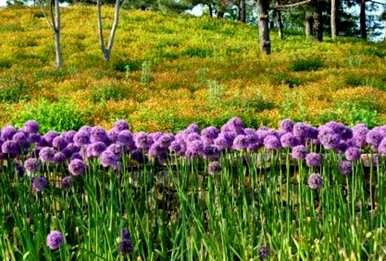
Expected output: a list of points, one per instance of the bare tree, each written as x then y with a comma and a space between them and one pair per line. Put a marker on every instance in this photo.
242, 11
318, 22
333, 19
309, 24
262, 10
279, 18
362, 19
53, 19
106, 50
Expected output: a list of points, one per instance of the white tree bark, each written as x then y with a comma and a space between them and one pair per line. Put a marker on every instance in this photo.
333, 19
106, 50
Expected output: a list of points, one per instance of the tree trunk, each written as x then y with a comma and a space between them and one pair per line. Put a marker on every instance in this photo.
242, 11
262, 10
279, 20
309, 25
333, 19
363, 19
57, 31
318, 22
220, 14
384, 31
210, 9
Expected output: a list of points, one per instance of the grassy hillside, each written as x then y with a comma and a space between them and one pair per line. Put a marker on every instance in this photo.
167, 71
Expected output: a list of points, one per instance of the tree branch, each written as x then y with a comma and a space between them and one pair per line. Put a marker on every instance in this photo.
292, 5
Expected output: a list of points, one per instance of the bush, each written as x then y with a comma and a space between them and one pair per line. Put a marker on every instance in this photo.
285, 78
306, 64
59, 116
107, 93
13, 90
197, 52
128, 65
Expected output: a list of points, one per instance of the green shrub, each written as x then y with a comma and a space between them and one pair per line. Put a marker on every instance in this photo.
58, 116
13, 90
6, 64
306, 64
285, 78
128, 65
197, 52
108, 92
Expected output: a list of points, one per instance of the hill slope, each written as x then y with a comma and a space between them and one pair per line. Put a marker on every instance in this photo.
167, 71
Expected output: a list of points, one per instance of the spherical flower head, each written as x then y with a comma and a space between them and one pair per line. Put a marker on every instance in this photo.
272, 142
59, 157
125, 138
288, 140
98, 134
359, 135
299, 152
313, 159
287, 125
192, 137
108, 159
345, 167
86, 129
374, 137
214, 167
142, 140
19, 169
328, 137
76, 167
165, 140
81, 138
76, 155
31, 126
50, 136
192, 128
116, 149
301, 130
121, 125
210, 133
315, 181
234, 125
155, 150
137, 155
178, 147
39, 183
66, 182
34, 138
194, 149
10, 147
7, 132
55, 240
47, 154
95, 149
382, 147
32, 165
240, 142
125, 234
155, 135
59, 143
211, 152
263, 252
352, 153
113, 135
68, 136
20, 138
70, 149
125, 247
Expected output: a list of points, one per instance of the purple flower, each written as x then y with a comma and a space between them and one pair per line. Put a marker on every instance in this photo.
142, 140
315, 181
32, 165
359, 135
287, 125
328, 137
234, 125
125, 138
7, 132
240, 142
66, 182
59, 143
59, 157
50, 136
137, 155
263, 252
31, 126
194, 149
81, 138
382, 146
33, 138
192, 128
116, 149
108, 159
299, 152
55, 240
178, 147
70, 149
76, 167
210, 133
374, 137
352, 153
39, 183
98, 134
10, 147
214, 167
68, 136
121, 125
313, 159
271, 142
345, 167
156, 149
95, 149
125, 247
301, 130
288, 140
211, 152
47, 154
165, 140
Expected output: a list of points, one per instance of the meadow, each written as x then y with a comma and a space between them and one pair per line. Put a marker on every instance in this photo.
209, 70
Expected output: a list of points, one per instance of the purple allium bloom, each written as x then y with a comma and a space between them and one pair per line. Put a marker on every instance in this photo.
125, 246
32, 165
125, 138
287, 125
116, 149
31, 126
313, 159
359, 135
345, 167
234, 125
194, 149
192, 137
66, 182
20, 138
47, 154
19, 169
59, 143
301, 130
210, 133
59, 157
299, 152
10, 147
95, 149
98, 134
50, 136
81, 138
328, 137
125, 234
240, 142
33, 138
142, 140
315, 181
177, 147
113, 135
39, 183
86, 129
108, 159
263, 252
374, 137
221, 143
272, 142
137, 155
55, 240
121, 125
70, 149
155, 150
165, 140
382, 146
211, 152
289, 140
76, 155
214, 167
352, 153
7, 132
76, 167
68, 136
192, 128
